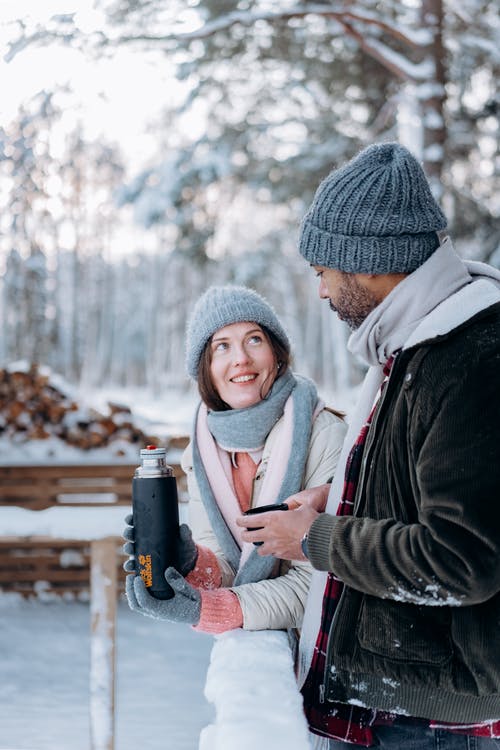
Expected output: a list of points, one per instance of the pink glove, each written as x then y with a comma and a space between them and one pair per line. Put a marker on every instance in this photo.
220, 611
206, 573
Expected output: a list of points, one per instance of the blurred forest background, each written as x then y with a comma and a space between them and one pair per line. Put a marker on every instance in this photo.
102, 256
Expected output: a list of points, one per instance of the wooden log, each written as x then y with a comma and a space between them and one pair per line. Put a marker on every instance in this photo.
103, 595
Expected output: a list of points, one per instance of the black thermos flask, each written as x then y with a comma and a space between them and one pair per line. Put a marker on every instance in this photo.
156, 520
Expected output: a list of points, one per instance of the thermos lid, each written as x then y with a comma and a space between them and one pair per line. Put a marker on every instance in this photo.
151, 451
153, 463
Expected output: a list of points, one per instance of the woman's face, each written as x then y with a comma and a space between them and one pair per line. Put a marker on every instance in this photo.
243, 366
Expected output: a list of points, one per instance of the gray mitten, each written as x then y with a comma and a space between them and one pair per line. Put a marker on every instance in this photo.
187, 551
184, 606
128, 547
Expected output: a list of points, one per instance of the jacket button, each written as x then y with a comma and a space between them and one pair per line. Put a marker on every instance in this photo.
408, 378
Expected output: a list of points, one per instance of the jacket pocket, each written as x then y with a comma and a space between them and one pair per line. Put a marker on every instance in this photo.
404, 632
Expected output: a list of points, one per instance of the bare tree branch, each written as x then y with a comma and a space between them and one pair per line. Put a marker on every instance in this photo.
396, 63
346, 19
334, 11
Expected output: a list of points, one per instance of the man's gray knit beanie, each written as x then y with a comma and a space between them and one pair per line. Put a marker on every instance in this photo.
376, 214
220, 306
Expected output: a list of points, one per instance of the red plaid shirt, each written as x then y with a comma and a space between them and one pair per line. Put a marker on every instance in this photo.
339, 720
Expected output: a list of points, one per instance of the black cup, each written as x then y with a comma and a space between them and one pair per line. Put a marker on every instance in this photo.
263, 509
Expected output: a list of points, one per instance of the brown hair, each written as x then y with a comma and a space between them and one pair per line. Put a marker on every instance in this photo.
209, 394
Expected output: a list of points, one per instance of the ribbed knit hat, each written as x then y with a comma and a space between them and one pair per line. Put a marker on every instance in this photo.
220, 306
376, 214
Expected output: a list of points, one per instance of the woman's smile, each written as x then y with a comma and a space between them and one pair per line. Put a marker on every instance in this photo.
244, 378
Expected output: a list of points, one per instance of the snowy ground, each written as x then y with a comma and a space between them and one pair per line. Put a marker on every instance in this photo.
44, 690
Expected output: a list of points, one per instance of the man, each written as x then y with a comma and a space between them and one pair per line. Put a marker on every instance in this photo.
401, 638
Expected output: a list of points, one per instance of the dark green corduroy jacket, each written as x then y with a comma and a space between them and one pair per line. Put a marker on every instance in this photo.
417, 629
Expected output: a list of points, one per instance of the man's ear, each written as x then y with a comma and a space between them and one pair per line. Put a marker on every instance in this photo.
380, 284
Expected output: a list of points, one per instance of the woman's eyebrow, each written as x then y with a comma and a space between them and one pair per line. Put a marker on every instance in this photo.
225, 338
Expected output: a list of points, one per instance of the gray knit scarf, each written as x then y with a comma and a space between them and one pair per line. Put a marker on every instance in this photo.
247, 429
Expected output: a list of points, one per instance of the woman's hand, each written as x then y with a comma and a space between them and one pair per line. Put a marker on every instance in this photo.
184, 606
186, 552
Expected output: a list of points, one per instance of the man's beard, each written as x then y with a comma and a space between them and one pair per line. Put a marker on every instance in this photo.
354, 302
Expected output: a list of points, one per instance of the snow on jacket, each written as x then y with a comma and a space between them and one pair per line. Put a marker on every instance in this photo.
417, 626
276, 603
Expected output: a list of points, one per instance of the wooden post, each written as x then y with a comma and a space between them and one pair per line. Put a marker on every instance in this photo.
103, 594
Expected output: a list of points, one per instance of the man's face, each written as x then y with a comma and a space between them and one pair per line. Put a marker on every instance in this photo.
348, 295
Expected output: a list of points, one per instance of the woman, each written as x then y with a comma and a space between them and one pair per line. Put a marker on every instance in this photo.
260, 435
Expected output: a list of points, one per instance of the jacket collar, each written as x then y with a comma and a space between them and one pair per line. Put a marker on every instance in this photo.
455, 311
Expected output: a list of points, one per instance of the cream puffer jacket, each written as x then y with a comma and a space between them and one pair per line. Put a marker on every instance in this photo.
276, 603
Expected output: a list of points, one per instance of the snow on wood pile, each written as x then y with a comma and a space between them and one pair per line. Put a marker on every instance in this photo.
33, 407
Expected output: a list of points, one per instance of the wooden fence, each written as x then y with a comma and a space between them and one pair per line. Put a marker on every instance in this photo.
60, 566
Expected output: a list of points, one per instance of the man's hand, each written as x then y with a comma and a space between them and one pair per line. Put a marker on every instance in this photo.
281, 533
316, 497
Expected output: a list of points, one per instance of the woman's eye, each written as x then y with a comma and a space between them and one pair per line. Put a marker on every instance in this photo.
221, 346
256, 339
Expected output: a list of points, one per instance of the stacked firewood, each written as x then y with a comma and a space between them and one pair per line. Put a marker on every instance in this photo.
34, 408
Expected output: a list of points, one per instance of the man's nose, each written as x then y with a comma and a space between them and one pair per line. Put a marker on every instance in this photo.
323, 291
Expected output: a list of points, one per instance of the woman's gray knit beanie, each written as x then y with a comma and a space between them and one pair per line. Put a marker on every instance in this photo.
376, 214
220, 306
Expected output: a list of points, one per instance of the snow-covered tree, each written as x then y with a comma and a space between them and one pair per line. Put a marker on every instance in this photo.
275, 95
57, 208
12, 293
290, 90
